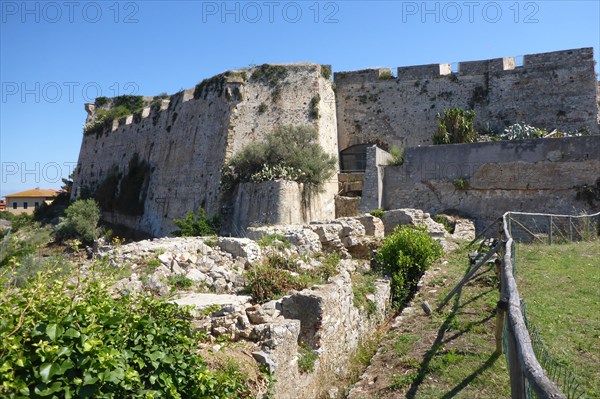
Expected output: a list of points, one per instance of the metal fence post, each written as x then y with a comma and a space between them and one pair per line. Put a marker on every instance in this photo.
550, 231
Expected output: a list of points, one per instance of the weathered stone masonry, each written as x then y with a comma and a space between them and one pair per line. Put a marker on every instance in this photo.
181, 146
188, 140
550, 90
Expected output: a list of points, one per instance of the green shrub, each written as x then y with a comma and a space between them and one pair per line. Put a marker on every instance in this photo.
326, 71
272, 279
80, 222
306, 359
456, 126
443, 219
270, 75
385, 75
262, 108
460, 184
267, 282
378, 213
397, 154
404, 256
180, 282
195, 225
61, 340
289, 152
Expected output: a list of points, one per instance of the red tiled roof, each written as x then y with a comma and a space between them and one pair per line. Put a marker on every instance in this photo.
36, 192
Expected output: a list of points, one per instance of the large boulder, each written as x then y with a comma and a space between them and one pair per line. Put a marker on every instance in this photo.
240, 248
399, 217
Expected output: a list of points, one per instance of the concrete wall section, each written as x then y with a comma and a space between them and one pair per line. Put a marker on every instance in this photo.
372, 194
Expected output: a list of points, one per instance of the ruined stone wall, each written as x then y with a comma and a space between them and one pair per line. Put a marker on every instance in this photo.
187, 140
550, 90
549, 175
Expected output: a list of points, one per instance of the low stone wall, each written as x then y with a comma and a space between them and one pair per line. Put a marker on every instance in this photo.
484, 180
279, 202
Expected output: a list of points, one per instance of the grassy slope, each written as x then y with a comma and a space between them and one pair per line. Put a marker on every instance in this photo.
561, 287
448, 355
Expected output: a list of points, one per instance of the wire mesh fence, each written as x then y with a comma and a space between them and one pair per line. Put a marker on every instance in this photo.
547, 229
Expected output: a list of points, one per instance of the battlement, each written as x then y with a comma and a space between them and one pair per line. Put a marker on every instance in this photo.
556, 59
423, 71
560, 59
362, 76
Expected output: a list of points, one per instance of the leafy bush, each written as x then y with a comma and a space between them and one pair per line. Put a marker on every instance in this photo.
62, 340
456, 126
378, 213
270, 75
314, 107
81, 222
404, 256
262, 108
289, 152
119, 107
194, 225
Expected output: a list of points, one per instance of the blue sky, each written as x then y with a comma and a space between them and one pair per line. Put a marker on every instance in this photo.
57, 55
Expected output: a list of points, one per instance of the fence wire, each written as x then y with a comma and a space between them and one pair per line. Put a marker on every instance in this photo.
549, 229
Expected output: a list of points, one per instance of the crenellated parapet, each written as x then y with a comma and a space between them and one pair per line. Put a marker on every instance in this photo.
555, 90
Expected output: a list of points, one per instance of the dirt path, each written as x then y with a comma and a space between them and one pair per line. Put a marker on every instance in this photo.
447, 355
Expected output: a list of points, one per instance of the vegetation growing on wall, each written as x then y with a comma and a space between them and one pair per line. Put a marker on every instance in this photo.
110, 109
270, 75
455, 126
211, 85
460, 184
314, 107
326, 71
397, 154
288, 152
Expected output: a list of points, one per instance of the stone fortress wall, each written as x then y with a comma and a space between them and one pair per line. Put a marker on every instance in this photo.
182, 143
187, 140
550, 90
